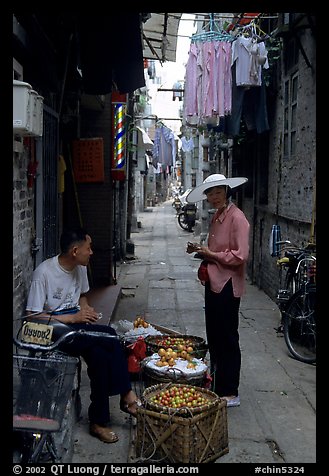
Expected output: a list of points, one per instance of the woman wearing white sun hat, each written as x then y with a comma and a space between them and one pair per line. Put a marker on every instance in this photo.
226, 256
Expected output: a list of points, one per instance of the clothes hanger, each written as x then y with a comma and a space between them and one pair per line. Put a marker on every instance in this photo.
212, 34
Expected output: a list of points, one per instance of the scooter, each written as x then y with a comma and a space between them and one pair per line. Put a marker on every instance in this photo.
46, 382
187, 217
177, 204
180, 201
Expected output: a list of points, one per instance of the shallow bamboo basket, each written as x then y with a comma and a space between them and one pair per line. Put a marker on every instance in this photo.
152, 376
153, 344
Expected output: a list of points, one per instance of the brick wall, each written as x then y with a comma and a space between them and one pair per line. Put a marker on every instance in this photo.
290, 189
23, 226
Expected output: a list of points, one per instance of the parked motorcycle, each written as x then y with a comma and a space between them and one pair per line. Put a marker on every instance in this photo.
180, 200
177, 204
187, 217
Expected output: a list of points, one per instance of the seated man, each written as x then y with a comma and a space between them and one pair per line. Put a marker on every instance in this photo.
58, 289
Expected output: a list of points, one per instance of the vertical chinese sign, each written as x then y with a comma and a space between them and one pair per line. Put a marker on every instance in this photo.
88, 160
119, 160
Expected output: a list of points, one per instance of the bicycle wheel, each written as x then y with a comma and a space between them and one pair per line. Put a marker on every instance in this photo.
182, 222
29, 447
299, 325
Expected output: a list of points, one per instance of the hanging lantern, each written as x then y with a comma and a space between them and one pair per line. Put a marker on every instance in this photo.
119, 160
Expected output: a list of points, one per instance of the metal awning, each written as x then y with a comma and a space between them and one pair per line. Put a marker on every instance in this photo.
160, 36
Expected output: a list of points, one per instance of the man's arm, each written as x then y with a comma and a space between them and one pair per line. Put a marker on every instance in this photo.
86, 314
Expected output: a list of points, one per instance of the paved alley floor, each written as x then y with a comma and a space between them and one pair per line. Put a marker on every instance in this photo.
276, 422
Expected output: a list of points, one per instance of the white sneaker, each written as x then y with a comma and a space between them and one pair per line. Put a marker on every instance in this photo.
232, 402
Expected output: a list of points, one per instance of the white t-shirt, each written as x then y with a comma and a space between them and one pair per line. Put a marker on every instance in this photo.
55, 289
241, 54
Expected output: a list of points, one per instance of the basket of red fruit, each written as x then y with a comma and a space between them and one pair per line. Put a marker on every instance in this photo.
180, 423
180, 399
179, 343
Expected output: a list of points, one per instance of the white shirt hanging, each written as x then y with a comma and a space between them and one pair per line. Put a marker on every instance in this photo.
250, 57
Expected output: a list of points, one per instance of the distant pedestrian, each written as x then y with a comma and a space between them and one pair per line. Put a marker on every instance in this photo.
224, 280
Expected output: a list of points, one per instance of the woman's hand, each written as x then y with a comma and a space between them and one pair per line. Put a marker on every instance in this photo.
205, 252
192, 247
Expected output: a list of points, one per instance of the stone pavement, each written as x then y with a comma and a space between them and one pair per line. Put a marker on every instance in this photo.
276, 422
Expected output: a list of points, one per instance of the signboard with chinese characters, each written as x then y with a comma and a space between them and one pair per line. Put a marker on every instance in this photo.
88, 160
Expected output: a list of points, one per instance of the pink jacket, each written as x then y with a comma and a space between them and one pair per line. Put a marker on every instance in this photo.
229, 238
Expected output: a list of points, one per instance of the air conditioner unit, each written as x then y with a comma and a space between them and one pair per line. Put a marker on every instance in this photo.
22, 123
27, 110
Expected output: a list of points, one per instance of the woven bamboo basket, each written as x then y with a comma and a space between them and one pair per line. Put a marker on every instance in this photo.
184, 435
153, 344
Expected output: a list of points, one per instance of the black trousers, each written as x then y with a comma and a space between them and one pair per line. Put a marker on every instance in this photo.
106, 367
222, 322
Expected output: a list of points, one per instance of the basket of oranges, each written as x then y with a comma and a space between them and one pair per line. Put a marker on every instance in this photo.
168, 365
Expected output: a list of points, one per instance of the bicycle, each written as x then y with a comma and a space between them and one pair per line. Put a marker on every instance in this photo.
290, 277
46, 401
297, 300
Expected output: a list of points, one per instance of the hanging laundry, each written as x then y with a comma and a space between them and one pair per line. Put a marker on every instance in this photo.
164, 145
187, 144
248, 103
208, 78
250, 57
177, 94
208, 82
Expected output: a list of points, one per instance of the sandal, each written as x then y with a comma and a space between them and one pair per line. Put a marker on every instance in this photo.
232, 401
103, 433
130, 408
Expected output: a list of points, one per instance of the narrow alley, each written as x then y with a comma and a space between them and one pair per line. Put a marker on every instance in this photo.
276, 421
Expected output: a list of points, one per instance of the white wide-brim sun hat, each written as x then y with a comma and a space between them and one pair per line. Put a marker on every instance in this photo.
214, 180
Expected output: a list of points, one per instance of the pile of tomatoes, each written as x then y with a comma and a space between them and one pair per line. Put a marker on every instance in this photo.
179, 397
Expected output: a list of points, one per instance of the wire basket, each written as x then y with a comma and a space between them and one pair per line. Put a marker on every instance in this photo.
41, 390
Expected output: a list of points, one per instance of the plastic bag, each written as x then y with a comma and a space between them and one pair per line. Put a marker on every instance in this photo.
136, 353
203, 271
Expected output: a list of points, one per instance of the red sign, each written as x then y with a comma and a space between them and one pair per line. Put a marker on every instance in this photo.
88, 160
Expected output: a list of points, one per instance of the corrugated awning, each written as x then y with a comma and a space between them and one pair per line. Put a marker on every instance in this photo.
160, 36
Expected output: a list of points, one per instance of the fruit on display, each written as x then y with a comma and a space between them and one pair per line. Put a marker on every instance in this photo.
180, 347
140, 322
179, 397
174, 342
168, 357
